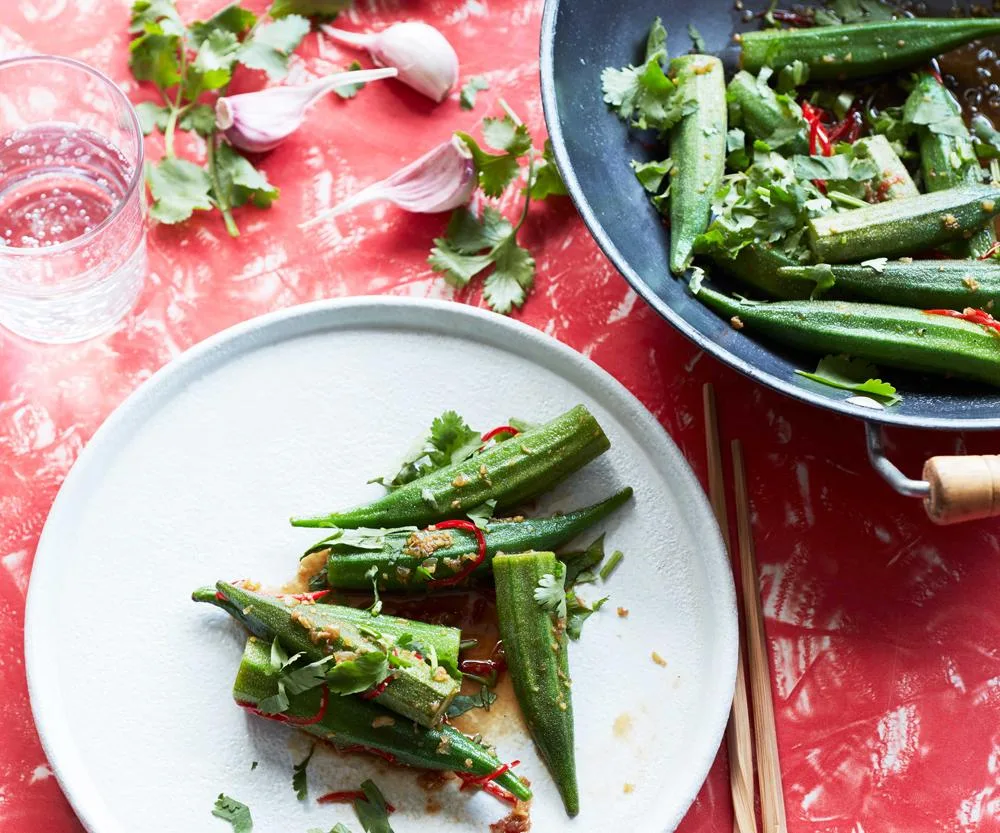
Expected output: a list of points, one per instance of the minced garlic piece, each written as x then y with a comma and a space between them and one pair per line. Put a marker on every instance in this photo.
383, 720
659, 660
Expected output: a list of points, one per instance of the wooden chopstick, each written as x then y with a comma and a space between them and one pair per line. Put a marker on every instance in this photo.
772, 802
738, 738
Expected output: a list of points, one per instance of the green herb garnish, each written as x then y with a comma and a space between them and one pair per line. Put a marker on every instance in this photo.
233, 811
612, 565
855, 375
476, 84
300, 781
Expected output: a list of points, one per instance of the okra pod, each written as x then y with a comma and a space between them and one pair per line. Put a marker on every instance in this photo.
757, 108
903, 227
510, 472
947, 156
416, 560
924, 284
698, 148
854, 50
761, 267
354, 724
893, 336
414, 689
531, 610
894, 180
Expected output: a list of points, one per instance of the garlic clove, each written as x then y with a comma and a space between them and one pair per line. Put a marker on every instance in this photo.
440, 180
425, 59
260, 121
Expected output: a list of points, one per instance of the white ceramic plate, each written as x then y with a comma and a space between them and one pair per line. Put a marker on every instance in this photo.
193, 480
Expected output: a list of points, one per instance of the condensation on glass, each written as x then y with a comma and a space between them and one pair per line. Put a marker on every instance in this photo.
72, 203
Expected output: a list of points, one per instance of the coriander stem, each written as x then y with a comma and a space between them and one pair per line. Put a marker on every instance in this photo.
168, 133
510, 112
527, 194
220, 201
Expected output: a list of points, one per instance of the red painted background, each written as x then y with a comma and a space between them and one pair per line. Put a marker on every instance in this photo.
883, 630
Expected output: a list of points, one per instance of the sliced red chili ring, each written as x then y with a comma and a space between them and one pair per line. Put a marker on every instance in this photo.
461, 575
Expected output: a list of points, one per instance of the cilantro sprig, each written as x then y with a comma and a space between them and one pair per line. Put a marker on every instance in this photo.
854, 375
448, 440
475, 240
300, 779
187, 65
235, 812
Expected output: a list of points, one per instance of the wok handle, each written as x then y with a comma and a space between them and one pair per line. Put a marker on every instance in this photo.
962, 488
954, 489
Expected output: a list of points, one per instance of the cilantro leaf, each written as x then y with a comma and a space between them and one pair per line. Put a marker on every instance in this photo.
652, 174
643, 96
179, 188
232, 18
300, 782
270, 45
940, 114
152, 116
469, 234
986, 137
156, 57
578, 611
448, 440
458, 269
373, 812
233, 811
841, 166
495, 170
697, 41
507, 135
466, 702
239, 181
350, 90
854, 375
276, 703
476, 84
550, 595
507, 285
547, 182
212, 65
482, 514
279, 656
155, 16
356, 675
322, 10
376, 606
307, 677
200, 118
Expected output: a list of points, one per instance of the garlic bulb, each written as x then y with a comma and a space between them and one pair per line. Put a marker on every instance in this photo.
261, 120
423, 56
440, 180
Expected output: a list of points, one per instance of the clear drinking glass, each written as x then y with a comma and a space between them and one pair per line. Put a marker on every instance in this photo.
72, 203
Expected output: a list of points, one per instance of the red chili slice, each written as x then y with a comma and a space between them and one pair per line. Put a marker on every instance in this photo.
464, 573
502, 429
388, 757
316, 595
486, 782
348, 797
974, 316
287, 718
992, 250
377, 690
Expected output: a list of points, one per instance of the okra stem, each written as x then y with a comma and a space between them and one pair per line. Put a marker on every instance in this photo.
510, 472
356, 724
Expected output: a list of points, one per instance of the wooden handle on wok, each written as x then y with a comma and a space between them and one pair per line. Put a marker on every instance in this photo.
962, 488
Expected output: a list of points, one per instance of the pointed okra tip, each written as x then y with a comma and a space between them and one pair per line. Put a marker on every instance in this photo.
205, 594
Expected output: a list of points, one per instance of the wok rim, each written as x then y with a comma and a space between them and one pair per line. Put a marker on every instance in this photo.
550, 108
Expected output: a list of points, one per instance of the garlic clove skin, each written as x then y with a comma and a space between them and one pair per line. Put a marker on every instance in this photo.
262, 120
440, 180
426, 61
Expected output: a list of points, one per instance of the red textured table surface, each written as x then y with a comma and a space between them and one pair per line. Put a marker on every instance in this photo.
882, 630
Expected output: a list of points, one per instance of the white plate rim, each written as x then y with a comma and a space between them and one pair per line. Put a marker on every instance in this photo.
423, 314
